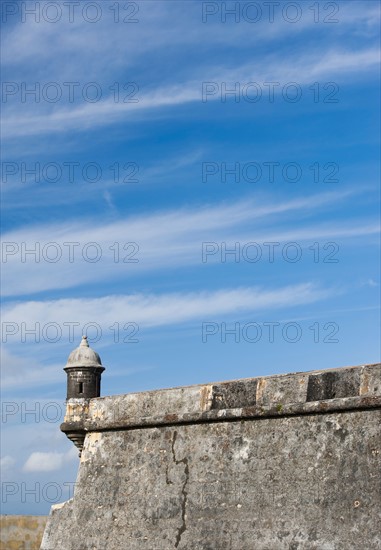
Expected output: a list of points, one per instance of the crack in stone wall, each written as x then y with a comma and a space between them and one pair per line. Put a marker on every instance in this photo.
184, 493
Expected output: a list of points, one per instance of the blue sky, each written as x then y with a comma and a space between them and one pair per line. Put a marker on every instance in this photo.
146, 175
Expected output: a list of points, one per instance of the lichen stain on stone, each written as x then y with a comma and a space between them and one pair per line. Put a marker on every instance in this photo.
93, 443
206, 397
97, 414
171, 417
75, 412
261, 387
364, 384
242, 453
21, 532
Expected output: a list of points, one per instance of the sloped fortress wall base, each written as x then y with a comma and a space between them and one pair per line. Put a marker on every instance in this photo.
260, 464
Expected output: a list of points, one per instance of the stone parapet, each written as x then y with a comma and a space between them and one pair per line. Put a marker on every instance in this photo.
347, 388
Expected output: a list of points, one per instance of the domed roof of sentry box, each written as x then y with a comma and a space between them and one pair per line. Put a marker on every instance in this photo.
84, 356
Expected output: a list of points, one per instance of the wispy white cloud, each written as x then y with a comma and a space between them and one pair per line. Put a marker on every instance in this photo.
6, 463
372, 283
20, 373
161, 24
16, 194
164, 240
48, 462
150, 310
25, 372
338, 63
105, 112
46, 52
146, 311
173, 164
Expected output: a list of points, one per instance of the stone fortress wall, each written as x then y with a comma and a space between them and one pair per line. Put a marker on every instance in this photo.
271, 463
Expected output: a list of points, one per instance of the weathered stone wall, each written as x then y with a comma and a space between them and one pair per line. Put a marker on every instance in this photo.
21, 532
283, 462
